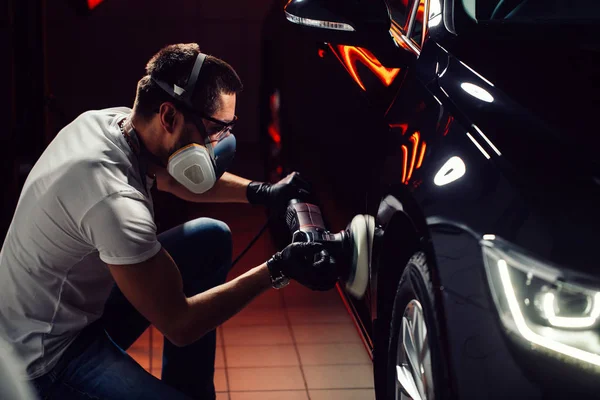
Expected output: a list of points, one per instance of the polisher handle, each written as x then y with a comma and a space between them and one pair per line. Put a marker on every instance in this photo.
306, 224
304, 217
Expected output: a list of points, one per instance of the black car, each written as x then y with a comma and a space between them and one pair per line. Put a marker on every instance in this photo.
469, 129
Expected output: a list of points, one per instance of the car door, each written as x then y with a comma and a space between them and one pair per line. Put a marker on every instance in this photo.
392, 115
412, 119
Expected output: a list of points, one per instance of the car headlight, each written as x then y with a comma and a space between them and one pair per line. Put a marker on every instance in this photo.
551, 309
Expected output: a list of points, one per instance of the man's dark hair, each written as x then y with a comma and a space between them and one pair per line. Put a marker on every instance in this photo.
173, 64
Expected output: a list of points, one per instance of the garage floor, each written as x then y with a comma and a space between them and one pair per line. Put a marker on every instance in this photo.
292, 344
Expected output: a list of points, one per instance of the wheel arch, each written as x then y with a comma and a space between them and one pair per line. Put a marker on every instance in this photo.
403, 232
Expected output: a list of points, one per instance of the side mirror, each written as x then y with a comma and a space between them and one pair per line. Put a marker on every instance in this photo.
361, 23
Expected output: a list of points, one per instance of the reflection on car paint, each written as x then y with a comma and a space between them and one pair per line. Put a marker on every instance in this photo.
349, 55
415, 163
479, 147
483, 78
421, 11
398, 35
477, 91
487, 140
451, 171
448, 124
402, 126
404, 159
420, 162
435, 13
415, 144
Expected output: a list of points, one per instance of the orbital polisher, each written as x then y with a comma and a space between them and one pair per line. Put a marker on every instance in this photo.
350, 248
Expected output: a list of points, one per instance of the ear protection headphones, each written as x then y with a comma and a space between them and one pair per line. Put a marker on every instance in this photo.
195, 166
184, 95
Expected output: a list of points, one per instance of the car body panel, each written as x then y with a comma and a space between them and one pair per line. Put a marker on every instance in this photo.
384, 134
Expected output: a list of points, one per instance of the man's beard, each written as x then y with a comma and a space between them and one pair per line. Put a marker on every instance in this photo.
184, 140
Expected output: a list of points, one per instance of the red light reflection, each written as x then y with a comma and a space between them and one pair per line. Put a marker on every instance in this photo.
274, 134
93, 3
448, 124
404, 158
397, 32
402, 126
421, 11
420, 162
415, 163
415, 141
350, 55
273, 128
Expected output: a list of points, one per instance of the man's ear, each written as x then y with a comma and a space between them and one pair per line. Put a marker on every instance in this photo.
168, 116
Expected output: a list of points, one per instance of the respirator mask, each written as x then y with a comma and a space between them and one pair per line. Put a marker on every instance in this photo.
194, 166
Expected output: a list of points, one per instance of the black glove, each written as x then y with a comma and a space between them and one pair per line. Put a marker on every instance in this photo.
306, 263
280, 193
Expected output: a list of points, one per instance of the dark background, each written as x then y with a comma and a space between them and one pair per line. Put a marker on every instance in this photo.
62, 59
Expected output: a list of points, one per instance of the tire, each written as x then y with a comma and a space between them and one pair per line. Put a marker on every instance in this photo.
414, 304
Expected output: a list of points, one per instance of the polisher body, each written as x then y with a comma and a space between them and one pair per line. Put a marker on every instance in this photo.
349, 249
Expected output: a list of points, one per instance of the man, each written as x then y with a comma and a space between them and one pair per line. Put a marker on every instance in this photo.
84, 222
11, 386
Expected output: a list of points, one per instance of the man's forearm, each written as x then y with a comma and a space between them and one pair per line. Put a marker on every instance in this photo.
210, 309
229, 188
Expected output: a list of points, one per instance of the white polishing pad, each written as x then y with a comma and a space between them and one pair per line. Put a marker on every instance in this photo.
362, 228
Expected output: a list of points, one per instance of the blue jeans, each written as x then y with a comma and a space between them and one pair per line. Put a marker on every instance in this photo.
96, 366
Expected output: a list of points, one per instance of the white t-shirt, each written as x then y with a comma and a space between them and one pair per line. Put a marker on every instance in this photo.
82, 206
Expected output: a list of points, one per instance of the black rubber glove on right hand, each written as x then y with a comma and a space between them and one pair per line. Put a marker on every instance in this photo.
307, 264
278, 194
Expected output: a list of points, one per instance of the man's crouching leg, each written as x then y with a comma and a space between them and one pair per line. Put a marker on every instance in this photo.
201, 248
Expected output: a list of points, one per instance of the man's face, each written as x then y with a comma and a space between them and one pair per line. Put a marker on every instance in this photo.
199, 130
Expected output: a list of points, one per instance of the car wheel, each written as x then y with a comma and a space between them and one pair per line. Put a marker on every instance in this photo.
416, 369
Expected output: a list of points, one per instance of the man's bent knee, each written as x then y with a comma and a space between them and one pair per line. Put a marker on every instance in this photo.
212, 236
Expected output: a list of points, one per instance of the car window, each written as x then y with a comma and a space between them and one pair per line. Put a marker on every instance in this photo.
532, 10
417, 23
407, 16
400, 11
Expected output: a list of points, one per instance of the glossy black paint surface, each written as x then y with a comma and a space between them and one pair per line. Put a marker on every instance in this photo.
533, 178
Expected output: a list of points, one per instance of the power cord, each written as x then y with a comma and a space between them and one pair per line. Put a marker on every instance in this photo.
256, 237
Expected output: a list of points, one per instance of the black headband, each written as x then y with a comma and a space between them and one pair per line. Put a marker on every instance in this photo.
183, 94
